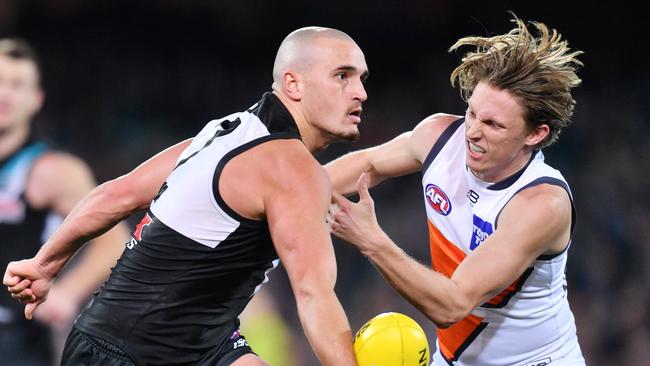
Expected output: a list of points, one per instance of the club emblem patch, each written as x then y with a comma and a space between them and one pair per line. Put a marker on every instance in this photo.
437, 199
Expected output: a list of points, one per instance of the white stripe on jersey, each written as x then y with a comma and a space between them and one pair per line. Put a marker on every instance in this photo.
190, 184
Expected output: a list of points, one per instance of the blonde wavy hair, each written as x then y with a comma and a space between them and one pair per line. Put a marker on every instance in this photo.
540, 71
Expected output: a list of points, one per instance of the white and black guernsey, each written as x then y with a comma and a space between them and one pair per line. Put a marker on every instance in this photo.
193, 263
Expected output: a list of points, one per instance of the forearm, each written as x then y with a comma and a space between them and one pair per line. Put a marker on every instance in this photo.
345, 171
392, 159
435, 295
92, 269
95, 214
326, 328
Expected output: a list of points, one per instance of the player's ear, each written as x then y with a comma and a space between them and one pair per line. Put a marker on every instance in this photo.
38, 97
537, 134
292, 84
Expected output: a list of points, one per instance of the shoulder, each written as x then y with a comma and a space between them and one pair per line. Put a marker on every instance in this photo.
547, 200
543, 210
57, 163
289, 176
57, 174
536, 221
278, 166
436, 124
550, 199
288, 161
56, 167
428, 131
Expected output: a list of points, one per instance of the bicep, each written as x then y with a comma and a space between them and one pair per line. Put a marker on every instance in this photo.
407, 152
394, 158
523, 234
296, 220
142, 184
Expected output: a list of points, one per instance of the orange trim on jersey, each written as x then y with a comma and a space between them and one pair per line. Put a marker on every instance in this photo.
502, 298
507, 292
455, 339
445, 255
445, 258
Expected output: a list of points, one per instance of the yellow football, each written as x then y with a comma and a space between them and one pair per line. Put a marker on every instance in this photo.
391, 339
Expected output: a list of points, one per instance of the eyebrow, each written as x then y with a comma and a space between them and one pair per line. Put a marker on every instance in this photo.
491, 120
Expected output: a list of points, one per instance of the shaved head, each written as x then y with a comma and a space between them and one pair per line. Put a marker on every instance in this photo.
299, 49
318, 75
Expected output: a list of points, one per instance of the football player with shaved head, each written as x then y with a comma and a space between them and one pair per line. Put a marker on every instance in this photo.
223, 209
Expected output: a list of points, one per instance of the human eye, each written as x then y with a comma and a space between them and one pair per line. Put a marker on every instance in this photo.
342, 75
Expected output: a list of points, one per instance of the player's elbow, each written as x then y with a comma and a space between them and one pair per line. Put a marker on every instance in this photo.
118, 196
445, 319
309, 291
455, 309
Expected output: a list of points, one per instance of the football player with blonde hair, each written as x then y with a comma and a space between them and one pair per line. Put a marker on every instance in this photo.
500, 219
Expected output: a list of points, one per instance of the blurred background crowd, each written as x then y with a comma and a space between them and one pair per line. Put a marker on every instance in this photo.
125, 79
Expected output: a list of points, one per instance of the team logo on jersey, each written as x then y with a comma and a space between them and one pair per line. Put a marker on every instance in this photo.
437, 199
146, 221
137, 233
482, 229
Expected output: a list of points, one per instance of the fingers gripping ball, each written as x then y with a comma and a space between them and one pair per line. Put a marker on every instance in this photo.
391, 339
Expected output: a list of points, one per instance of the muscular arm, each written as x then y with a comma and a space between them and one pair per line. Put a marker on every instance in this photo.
522, 235
107, 205
296, 204
58, 181
402, 155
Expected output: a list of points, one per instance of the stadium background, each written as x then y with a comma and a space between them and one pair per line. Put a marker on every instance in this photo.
124, 79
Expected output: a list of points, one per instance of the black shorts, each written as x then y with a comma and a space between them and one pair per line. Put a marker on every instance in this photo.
82, 349
233, 347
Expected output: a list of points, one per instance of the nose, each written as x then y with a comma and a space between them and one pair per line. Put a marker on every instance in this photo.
472, 129
360, 92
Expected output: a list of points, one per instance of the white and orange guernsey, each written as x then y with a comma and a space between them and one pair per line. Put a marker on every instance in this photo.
529, 323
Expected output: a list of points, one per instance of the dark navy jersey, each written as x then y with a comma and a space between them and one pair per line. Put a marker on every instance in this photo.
193, 263
23, 229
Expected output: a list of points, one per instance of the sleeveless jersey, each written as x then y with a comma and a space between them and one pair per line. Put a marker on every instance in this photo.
193, 263
23, 229
529, 323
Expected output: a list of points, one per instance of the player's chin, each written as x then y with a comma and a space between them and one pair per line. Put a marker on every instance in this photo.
352, 135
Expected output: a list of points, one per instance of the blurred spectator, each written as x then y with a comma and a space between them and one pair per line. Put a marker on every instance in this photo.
38, 187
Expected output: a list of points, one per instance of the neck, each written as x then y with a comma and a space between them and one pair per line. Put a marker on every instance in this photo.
310, 136
12, 139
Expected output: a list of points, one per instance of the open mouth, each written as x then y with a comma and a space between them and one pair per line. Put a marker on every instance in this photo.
474, 149
356, 114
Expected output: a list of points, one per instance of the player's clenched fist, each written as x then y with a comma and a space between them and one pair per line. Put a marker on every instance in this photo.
27, 284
